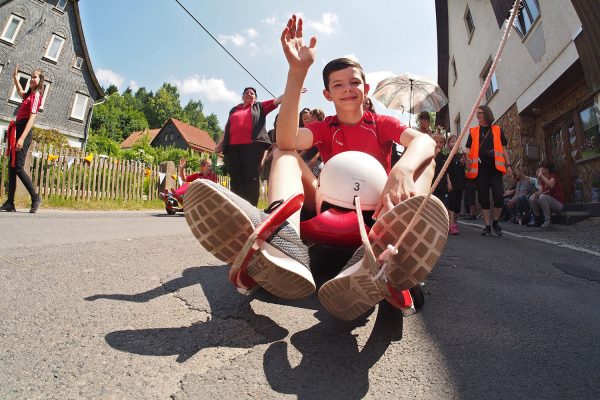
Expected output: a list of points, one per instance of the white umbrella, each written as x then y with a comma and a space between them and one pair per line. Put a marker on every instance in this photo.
410, 93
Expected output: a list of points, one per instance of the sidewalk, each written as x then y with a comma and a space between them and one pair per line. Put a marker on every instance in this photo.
584, 235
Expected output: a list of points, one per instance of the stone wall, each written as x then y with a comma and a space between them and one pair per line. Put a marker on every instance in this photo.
521, 130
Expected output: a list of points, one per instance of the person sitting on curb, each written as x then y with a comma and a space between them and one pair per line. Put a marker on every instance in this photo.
281, 263
519, 203
549, 199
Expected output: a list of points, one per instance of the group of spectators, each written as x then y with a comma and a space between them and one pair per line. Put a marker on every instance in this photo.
474, 172
480, 169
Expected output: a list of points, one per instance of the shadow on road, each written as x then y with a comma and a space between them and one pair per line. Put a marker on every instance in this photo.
332, 360
234, 323
332, 366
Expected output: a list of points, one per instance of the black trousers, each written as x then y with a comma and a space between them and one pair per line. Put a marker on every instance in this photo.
454, 200
18, 170
488, 178
243, 164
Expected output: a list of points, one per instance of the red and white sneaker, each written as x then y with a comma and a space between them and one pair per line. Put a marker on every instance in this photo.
261, 248
362, 284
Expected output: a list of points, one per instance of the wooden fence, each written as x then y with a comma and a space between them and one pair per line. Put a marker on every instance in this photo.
72, 174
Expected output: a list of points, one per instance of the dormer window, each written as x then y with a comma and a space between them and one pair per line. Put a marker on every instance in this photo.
9, 34
61, 5
54, 48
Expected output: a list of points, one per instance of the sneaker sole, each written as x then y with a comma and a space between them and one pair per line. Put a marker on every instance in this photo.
354, 292
280, 275
421, 249
218, 223
223, 229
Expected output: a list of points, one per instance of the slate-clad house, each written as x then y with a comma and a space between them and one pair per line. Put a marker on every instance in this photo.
47, 34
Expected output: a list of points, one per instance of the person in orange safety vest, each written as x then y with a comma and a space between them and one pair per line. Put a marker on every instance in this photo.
487, 162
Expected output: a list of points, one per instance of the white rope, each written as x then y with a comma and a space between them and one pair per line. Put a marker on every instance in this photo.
388, 253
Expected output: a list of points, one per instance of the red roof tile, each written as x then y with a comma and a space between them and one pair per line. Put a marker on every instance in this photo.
130, 141
196, 138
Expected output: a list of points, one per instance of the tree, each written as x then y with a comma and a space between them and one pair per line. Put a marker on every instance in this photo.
112, 89
193, 113
116, 119
212, 127
164, 105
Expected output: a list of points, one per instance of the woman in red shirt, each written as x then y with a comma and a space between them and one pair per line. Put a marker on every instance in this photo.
244, 143
19, 139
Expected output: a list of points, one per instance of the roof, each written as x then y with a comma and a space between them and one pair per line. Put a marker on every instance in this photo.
196, 138
86, 55
130, 141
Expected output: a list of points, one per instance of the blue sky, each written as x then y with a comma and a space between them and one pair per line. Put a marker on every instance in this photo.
141, 43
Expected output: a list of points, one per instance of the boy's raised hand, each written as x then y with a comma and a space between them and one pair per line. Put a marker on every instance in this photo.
296, 52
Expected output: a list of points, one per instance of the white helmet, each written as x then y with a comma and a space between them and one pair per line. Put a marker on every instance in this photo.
349, 174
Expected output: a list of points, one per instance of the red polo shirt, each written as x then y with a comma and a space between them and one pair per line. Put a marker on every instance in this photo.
240, 122
30, 105
373, 135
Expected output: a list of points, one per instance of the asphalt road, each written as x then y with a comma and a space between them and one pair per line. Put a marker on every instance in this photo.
127, 305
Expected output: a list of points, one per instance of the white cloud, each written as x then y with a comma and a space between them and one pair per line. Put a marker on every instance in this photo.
272, 20
133, 85
327, 25
352, 57
237, 39
375, 77
251, 33
106, 77
212, 89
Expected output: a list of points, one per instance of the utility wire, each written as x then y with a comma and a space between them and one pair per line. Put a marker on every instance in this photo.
223, 47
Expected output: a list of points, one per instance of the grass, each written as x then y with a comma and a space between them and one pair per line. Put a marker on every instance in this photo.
60, 203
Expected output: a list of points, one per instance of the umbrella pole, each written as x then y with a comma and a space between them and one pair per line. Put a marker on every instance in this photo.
410, 100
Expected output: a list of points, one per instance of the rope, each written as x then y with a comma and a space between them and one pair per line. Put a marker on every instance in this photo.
223, 47
387, 254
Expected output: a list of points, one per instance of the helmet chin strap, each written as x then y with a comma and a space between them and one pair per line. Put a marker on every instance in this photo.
390, 251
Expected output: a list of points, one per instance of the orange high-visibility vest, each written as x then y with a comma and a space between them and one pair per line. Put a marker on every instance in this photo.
473, 158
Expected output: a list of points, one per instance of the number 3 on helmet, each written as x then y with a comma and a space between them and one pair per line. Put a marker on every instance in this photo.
350, 174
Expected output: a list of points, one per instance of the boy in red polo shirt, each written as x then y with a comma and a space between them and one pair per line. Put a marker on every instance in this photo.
284, 272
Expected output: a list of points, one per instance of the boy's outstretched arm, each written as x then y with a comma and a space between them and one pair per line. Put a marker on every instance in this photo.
300, 57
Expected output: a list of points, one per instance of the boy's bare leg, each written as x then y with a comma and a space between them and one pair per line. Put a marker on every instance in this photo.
424, 179
289, 176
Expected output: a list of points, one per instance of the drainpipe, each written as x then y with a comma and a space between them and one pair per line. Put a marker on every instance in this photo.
89, 122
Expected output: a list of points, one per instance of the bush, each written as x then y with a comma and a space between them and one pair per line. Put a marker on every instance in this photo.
50, 137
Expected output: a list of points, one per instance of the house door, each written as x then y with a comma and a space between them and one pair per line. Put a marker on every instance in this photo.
562, 149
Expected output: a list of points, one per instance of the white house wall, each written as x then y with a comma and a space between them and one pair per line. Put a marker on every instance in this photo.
517, 71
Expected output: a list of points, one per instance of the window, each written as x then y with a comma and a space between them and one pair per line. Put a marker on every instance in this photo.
45, 94
78, 62
54, 48
590, 133
79, 106
469, 23
24, 81
12, 28
530, 12
1, 66
61, 4
493, 88
457, 125
454, 71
